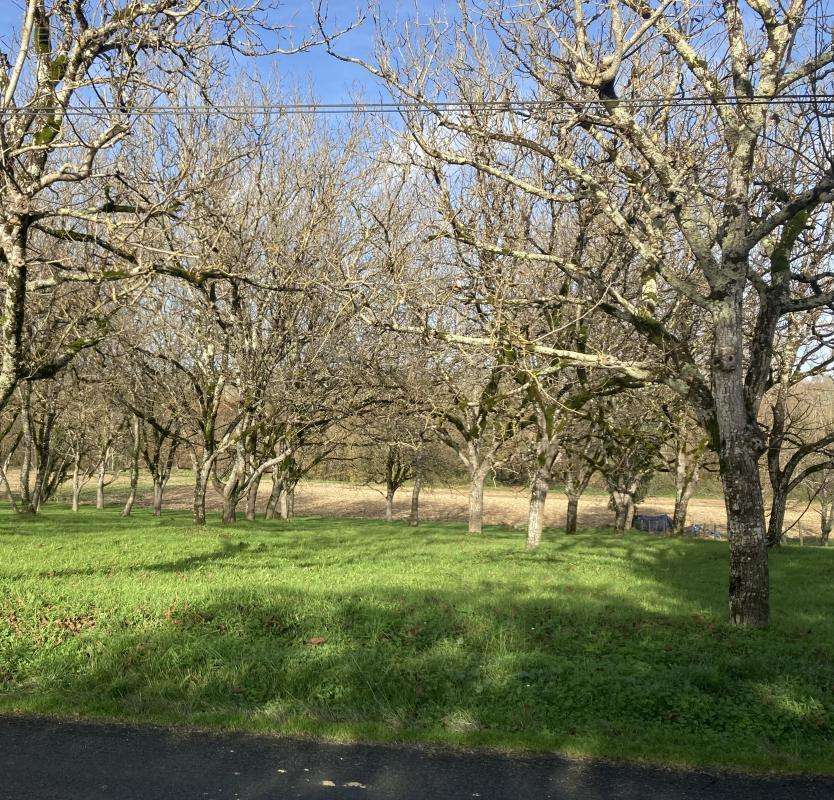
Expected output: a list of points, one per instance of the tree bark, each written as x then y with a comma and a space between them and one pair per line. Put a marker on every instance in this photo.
4, 479
273, 503
252, 499
739, 445
572, 513
623, 503
476, 502
102, 472
826, 520
749, 579
26, 463
287, 502
158, 489
134, 470
13, 246
686, 476
201, 478
45, 480
389, 504
76, 483
579, 468
229, 515
680, 512
414, 516
776, 520
535, 516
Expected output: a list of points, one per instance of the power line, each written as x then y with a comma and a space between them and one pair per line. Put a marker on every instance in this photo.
697, 101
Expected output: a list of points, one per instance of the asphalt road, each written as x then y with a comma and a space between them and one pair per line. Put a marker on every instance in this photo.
48, 760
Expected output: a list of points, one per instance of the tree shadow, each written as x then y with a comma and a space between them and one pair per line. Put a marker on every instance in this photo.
643, 666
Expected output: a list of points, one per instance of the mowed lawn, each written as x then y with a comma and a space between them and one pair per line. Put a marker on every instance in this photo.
355, 630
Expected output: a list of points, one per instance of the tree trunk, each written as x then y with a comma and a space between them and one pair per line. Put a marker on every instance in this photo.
4, 479
572, 513
389, 504
76, 484
414, 516
623, 503
13, 247
201, 478
273, 503
776, 520
749, 579
535, 516
252, 499
134, 470
287, 502
131, 498
826, 520
680, 512
229, 515
476, 502
158, 489
739, 445
102, 472
685, 480
26, 463
25, 475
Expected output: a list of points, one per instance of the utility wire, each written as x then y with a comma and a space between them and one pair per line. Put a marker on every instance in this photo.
401, 107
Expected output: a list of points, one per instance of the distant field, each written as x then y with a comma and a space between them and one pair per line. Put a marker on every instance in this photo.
503, 505
361, 630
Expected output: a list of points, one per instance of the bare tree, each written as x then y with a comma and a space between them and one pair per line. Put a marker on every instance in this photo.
631, 453
820, 486
713, 198
689, 449
581, 455
73, 92
796, 416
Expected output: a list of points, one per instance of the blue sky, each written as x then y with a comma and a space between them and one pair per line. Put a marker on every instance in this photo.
331, 80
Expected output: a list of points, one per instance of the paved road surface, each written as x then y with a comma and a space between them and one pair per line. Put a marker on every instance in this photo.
46, 760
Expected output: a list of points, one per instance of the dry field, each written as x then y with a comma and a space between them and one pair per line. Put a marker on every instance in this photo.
502, 505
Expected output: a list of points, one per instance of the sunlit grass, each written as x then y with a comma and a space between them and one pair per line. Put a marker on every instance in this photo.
365, 630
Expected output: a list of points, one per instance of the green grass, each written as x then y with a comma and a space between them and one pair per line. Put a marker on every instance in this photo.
350, 630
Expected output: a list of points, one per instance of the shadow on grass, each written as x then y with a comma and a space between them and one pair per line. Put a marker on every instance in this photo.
500, 653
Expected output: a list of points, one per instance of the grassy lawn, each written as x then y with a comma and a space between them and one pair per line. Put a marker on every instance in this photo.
365, 630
